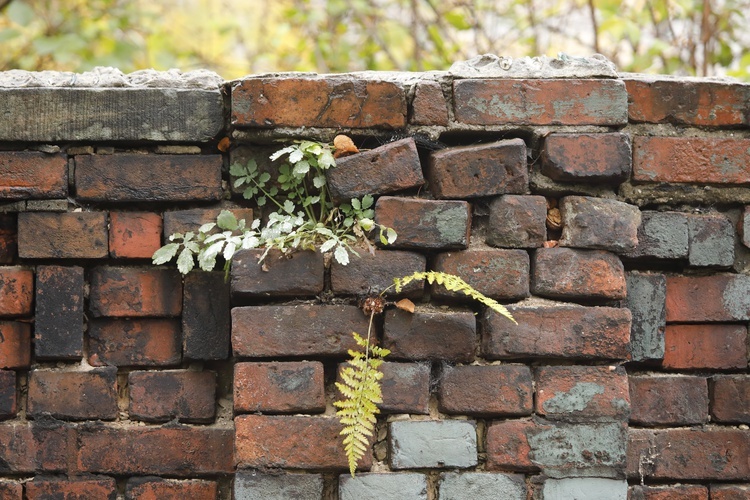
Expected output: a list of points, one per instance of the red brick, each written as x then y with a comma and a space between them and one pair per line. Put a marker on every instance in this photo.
687, 102
291, 442
582, 393
730, 398
730, 491
691, 159
29, 174
41, 488
707, 453
134, 235
425, 224
480, 170
718, 347
406, 387
7, 394
599, 223
182, 221
288, 387
603, 158
498, 273
206, 320
313, 101
719, 297
189, 396
175, 451
11, 490
298, 274
508, 446
90, 395
9, 238
540, 102
16, 291
372, 273
570, 274
392, 167
149, 488
429, 105
517, 221
430, 335
52, 235
138, 342
677, 492
668, 400
134, 292
296, 330
15, 348
35, 448
557, 331
139, 177
495, 390
58, 323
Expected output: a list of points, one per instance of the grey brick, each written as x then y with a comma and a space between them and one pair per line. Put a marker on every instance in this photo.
647, 295
254, 485
711, 241
590, 488
482, 486
517, 222
447, 443
408, 486
599, 224
744, 226
662, 235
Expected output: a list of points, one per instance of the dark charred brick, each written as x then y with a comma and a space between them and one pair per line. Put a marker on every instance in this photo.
426, 224
188, 396
719, 347
599, 223
31, 175
90, 395
134, 235
136, 342
730, 398
496, 390
373, 273
668, 400
602, 158
406, 387
662, 235
11, 490
9, 238
288, 387
38, 447
50, 235
15, 347
719, 297
8, 400
183, 221
298, 274
134, 292
430, 335
570, 274
206, 320
517, 222
58, 324
156, 488
711, 240
428, 106
16, 291
44, 488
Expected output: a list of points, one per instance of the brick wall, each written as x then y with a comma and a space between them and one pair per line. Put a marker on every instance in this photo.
611, 216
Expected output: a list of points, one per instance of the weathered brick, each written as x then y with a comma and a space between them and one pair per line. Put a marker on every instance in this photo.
601, 158
743, 226
481, 486
517, 221
540, 102
154, 488
9, 238
433, 444
720, 347
430, 334
599, 223
498, 273
16, 291
662, 235
8, 400
15, 348
705, 453
134, 235
175, 451
298, 274
58, 323
291, 442
296, 330
138, 342
719, 297
495, 390
508, 445
138, 177
313, 101
50, 235
557, 330
35, 448
182, 221
252, 484
711, 240
372, 273
43, 488
480, 170
11, 490
383, 486
405, 387
586, 488
730, 491
668, 400
646, 300
730, 398
90, 395
288, 387
428, 106
425, 224
188, 396
691, 159
683, 102
671, 492
582, 393
206, 320
386, 169
571, 274
29, 174
134, 292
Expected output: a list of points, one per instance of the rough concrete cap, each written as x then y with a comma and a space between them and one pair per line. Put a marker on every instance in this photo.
563, 66
102, 77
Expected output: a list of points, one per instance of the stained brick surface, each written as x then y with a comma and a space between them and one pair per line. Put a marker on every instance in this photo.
287, 387
720, 297
28, 174
565, 273
300, 275
169, 489
160, 396
428, 334
425, 224
48, 235
517, 222
95, 487
15, 348
134, 235
500, 390
705, 346
587, 157
599, 224
730, 398
374, 273
58, 325
8, 401
131, 292
16, 291
206, 320
88, 395
136, 342
668, 400
428, 106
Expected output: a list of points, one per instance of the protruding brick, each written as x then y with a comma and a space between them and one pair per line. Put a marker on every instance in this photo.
373, 273
313, 101
138, 342
189, 396
498, 273
9, 238
586, 488
711, 240
719, 297
425, 224
50, 235
405, 387
43, 488
668, 400
482, 486
719, 347
206, 320
481, 170
662, 235
647, 295
730, 398
496, 390
557, 330
138, 177
90, 395
183, 221
386, 169
15, 348
296, 330
58, 323
570, 274
427, 334
384, 486
671, 492
11, 490
730, 491
433, 444
298, 274
691, 159
428, 106
288, 387
8, 401
134, 292
599, 223
517, 221
274, 486
508, 445
582, 393
16, 291
601, 158
154, 488
134, 235
29, 174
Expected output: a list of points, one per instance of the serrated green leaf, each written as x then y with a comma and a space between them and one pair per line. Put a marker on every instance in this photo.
226, 220
341, 255
356, 205
165, 253
327, 245
367, 201
319, 181
207, 227
295, 156
237, 170
185, 261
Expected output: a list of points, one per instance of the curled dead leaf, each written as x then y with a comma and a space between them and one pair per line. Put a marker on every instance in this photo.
343, 146
224, 144
554, 218
405, 305
551, 244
